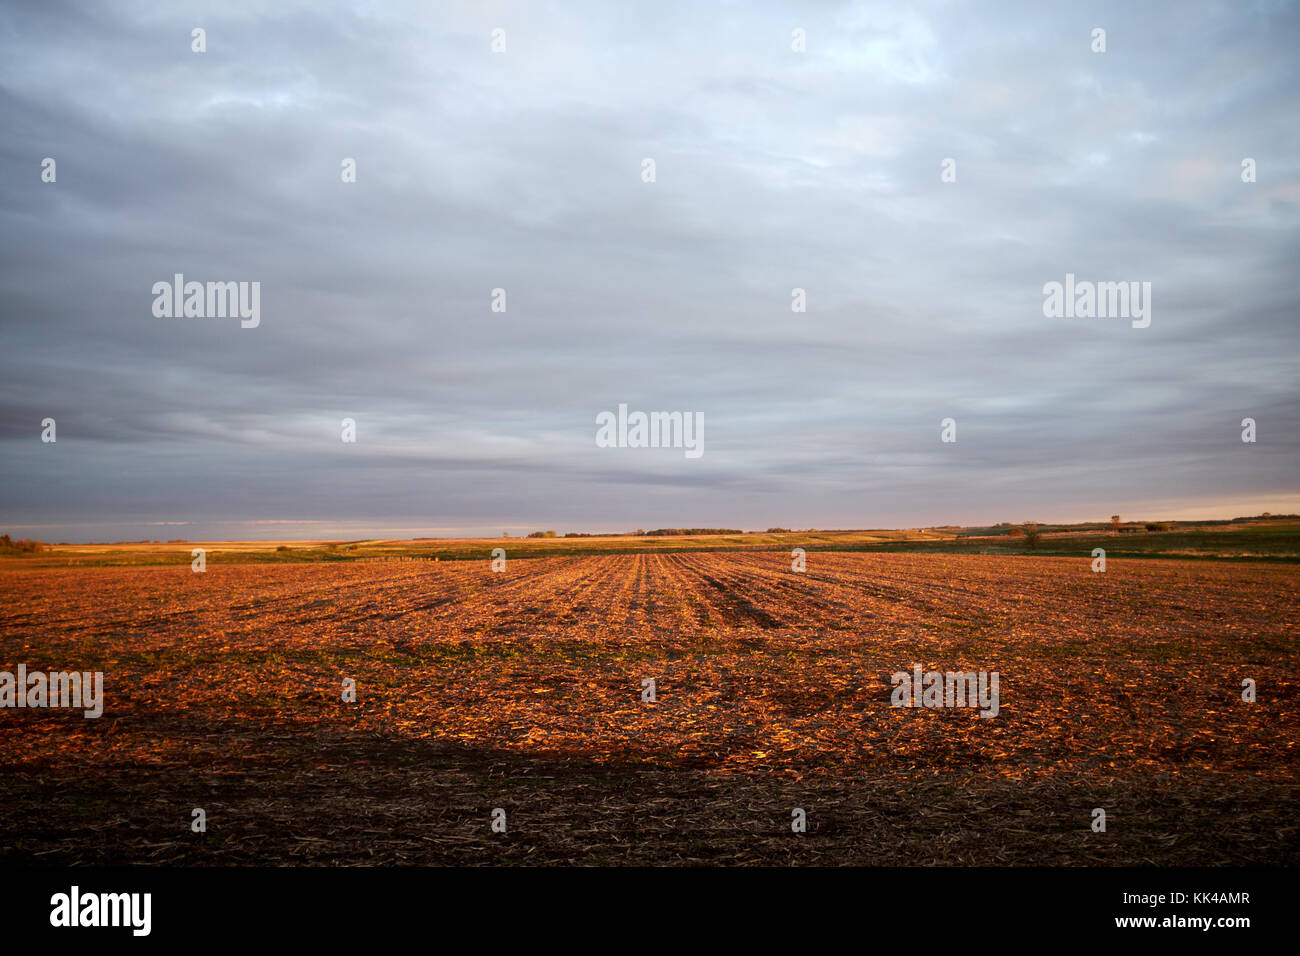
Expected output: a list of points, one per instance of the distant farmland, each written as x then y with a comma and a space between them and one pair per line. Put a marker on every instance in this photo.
1269, 540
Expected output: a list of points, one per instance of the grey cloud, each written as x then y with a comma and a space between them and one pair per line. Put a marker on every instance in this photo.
775, 170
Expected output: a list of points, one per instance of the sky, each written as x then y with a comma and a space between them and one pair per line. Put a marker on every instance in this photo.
522, 168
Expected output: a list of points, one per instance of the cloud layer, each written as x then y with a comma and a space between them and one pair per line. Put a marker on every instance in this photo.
521, 170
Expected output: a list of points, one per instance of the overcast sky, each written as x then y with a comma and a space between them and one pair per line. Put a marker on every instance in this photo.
522, 170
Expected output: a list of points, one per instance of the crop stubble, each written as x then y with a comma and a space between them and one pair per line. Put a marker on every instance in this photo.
522, 690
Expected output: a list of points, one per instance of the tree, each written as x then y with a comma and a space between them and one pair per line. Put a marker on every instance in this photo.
1114, 523
1031, 533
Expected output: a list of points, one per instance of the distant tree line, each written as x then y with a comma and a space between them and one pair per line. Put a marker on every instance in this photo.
21, 546
672, 531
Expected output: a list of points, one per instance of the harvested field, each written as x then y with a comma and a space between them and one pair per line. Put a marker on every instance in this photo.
523, 690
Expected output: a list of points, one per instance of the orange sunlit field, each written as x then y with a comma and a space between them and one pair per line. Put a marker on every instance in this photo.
523, 690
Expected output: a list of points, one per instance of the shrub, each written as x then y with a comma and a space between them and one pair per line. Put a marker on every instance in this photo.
21, 546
